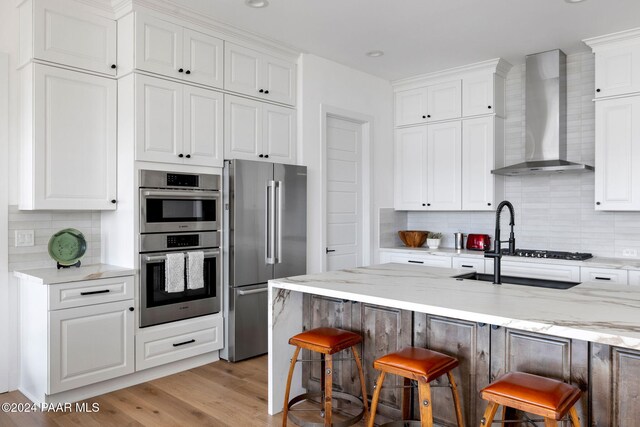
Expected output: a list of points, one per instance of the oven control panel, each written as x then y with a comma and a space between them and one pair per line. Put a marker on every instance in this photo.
182, 180
182, 241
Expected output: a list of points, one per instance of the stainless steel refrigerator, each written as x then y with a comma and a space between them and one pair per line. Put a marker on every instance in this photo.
265, 237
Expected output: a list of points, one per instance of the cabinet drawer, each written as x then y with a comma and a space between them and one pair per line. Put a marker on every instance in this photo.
569, 273
169, 343
606, 275
471, 263
426, 260
89, 292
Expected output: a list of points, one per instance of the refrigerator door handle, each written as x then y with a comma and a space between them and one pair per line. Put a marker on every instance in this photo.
278, 234
270, 217
252, 291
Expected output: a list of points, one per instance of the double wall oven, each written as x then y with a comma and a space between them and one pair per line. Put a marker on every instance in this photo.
179, 213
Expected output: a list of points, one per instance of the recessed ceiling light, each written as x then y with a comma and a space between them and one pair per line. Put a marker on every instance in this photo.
257, 3
574, 1
375, 53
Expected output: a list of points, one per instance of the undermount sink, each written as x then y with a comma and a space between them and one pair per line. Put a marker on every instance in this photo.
525, 281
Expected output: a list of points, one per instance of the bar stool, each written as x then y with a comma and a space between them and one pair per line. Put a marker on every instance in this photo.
546, 397
327, 342
423, 366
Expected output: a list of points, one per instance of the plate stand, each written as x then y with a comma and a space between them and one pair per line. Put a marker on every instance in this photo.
77, 264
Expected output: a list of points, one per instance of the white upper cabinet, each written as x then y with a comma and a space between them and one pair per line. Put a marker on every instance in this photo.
256, 130
617, 175
428, 104
444, 145
258, 74
67, 33
68, 139
617, 63
483, 94
410, 168
168, 49
178, 123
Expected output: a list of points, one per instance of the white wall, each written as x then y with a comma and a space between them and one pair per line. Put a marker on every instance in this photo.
324, 82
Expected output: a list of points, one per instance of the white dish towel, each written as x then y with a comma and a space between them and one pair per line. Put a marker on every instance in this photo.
195, 268
174, 273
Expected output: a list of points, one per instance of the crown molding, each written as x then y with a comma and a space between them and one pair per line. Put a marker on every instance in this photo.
498, 66
621, 36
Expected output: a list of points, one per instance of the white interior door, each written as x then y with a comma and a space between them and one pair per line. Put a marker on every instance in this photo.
4, 190
344, 194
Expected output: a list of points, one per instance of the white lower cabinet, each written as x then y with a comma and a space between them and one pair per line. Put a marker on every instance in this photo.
163, 344
605, 275
476, 264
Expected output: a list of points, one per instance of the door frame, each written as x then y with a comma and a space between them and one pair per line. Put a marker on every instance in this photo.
366, 123
4, 225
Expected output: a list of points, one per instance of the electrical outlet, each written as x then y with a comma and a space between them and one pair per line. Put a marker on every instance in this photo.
630, 252
24, 238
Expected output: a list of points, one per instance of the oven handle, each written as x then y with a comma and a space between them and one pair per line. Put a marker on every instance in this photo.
252, 291
152, 258
182, 194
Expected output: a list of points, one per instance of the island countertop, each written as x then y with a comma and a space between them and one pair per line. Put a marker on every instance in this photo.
606, 314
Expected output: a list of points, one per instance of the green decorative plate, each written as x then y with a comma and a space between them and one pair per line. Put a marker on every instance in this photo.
67, 246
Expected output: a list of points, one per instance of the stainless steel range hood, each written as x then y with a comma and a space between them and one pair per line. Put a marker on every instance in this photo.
545, 118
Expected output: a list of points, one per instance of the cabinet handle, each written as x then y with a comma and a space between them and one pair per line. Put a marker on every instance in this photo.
266, 156
261, 155
602, 278
188, 72
113, 201
181, 155
188, 156
489, 107
495, 327
184, 343
467, 266
261, 91
180, 70
327, 250
597, 90
482, 325
266, 91
415, 262
103, 291
113, 66
598, 203
131, 308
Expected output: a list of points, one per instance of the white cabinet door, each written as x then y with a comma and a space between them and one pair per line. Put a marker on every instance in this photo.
74, 141
203, 56
617, 175
158, 46
90, 344
617, 70
476, 264
477, 163
242, 69
411, 106
478, 95
444, 169
279, 80
278, 133
444, 101
410, 162
422, 259
243, 128
159, 120
71, 36
203, 127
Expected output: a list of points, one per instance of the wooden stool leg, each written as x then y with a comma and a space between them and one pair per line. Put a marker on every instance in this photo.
550, 422
575, 421
328, 388
363, 386
374, 400
489, 414
406, 399
285, 411
456, 399
426, 406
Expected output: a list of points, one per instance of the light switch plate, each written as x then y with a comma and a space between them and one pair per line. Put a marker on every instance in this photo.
25, 238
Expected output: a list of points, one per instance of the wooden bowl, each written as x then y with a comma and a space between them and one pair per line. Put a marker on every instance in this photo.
413, 238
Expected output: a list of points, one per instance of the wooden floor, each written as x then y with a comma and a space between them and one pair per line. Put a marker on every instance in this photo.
218, 394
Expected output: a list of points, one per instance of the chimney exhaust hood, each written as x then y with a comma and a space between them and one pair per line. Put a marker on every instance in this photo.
545, 118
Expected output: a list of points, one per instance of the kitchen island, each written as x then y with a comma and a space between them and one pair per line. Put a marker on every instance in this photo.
588, 335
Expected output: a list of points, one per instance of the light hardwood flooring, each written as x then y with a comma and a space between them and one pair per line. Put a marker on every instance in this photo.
218, 394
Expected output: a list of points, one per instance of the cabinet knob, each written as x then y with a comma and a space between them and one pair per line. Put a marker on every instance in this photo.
424, 117
266, 91
113, 201
266, 156
598, 203
428, 116
113, 66
188, 156
489, 107
488, 204
261, 155
180, 70
181, 155
424, 204
261, 91
428, 204
495, 327
188, 72
130, 308
597, 90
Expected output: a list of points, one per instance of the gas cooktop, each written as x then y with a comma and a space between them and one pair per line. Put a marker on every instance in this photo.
533, 253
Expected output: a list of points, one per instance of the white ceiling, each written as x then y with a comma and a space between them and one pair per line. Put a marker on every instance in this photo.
420, 36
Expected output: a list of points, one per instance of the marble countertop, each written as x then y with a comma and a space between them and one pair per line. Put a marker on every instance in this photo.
589, 311
615, 263
50, 276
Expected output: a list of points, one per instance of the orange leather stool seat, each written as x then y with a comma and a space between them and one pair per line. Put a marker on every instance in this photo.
421, 365
546, 397
327, 342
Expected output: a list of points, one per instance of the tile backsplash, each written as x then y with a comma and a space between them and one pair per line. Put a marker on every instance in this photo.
553, 212
45, 224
